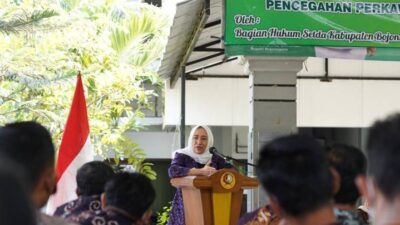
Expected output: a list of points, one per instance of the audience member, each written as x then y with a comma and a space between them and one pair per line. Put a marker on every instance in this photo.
126, 201
349, 162
15, 205
381, 185
296, 176
29, 144
90, 179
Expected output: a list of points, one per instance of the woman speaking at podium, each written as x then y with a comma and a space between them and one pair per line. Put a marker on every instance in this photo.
194, 160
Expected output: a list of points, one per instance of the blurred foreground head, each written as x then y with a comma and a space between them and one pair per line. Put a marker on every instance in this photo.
29, 144
381, 186
15, 205
295, 173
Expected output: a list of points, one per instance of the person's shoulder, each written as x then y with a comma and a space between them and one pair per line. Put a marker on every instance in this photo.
92, 203
60, 210
104, 217
65, 208
348, 217
51, 220
87, 217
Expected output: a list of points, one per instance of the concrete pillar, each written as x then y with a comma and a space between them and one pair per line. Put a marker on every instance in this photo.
272, 102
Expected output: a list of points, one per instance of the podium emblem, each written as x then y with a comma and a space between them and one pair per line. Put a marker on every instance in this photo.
228, 180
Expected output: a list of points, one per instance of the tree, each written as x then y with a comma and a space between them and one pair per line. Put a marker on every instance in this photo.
115, 45
23, 21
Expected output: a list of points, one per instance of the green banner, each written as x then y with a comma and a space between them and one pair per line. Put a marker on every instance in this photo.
364, 29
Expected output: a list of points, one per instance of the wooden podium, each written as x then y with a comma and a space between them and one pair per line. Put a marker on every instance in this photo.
213, 200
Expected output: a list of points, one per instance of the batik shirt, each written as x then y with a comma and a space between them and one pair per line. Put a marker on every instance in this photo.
76, 207
348, 217
43, 219
108, 216
261, 216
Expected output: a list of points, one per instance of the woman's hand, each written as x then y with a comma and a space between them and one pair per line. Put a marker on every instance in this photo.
207, 170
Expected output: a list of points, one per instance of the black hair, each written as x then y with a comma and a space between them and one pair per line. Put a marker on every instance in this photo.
29, 144
131, 192
294, 170
92, 176
383, 153
349, 162
15, 205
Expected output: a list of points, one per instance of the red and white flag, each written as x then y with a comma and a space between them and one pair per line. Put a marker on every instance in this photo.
75, 150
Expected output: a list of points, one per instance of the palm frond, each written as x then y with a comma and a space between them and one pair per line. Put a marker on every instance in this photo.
134, 27
21, 22
35, 80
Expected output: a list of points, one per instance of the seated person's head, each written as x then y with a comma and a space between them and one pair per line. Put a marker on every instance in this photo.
349, 162
132, 193
92, 177
29, 144
15, 205
295, 174
382, 183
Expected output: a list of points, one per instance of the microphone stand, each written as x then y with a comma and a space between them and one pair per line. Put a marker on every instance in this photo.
238, 161
213, 151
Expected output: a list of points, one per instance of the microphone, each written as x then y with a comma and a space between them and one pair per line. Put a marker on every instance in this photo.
214, 151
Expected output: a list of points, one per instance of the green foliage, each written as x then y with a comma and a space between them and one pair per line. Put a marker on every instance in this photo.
162, 218
24, 21
113, 48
